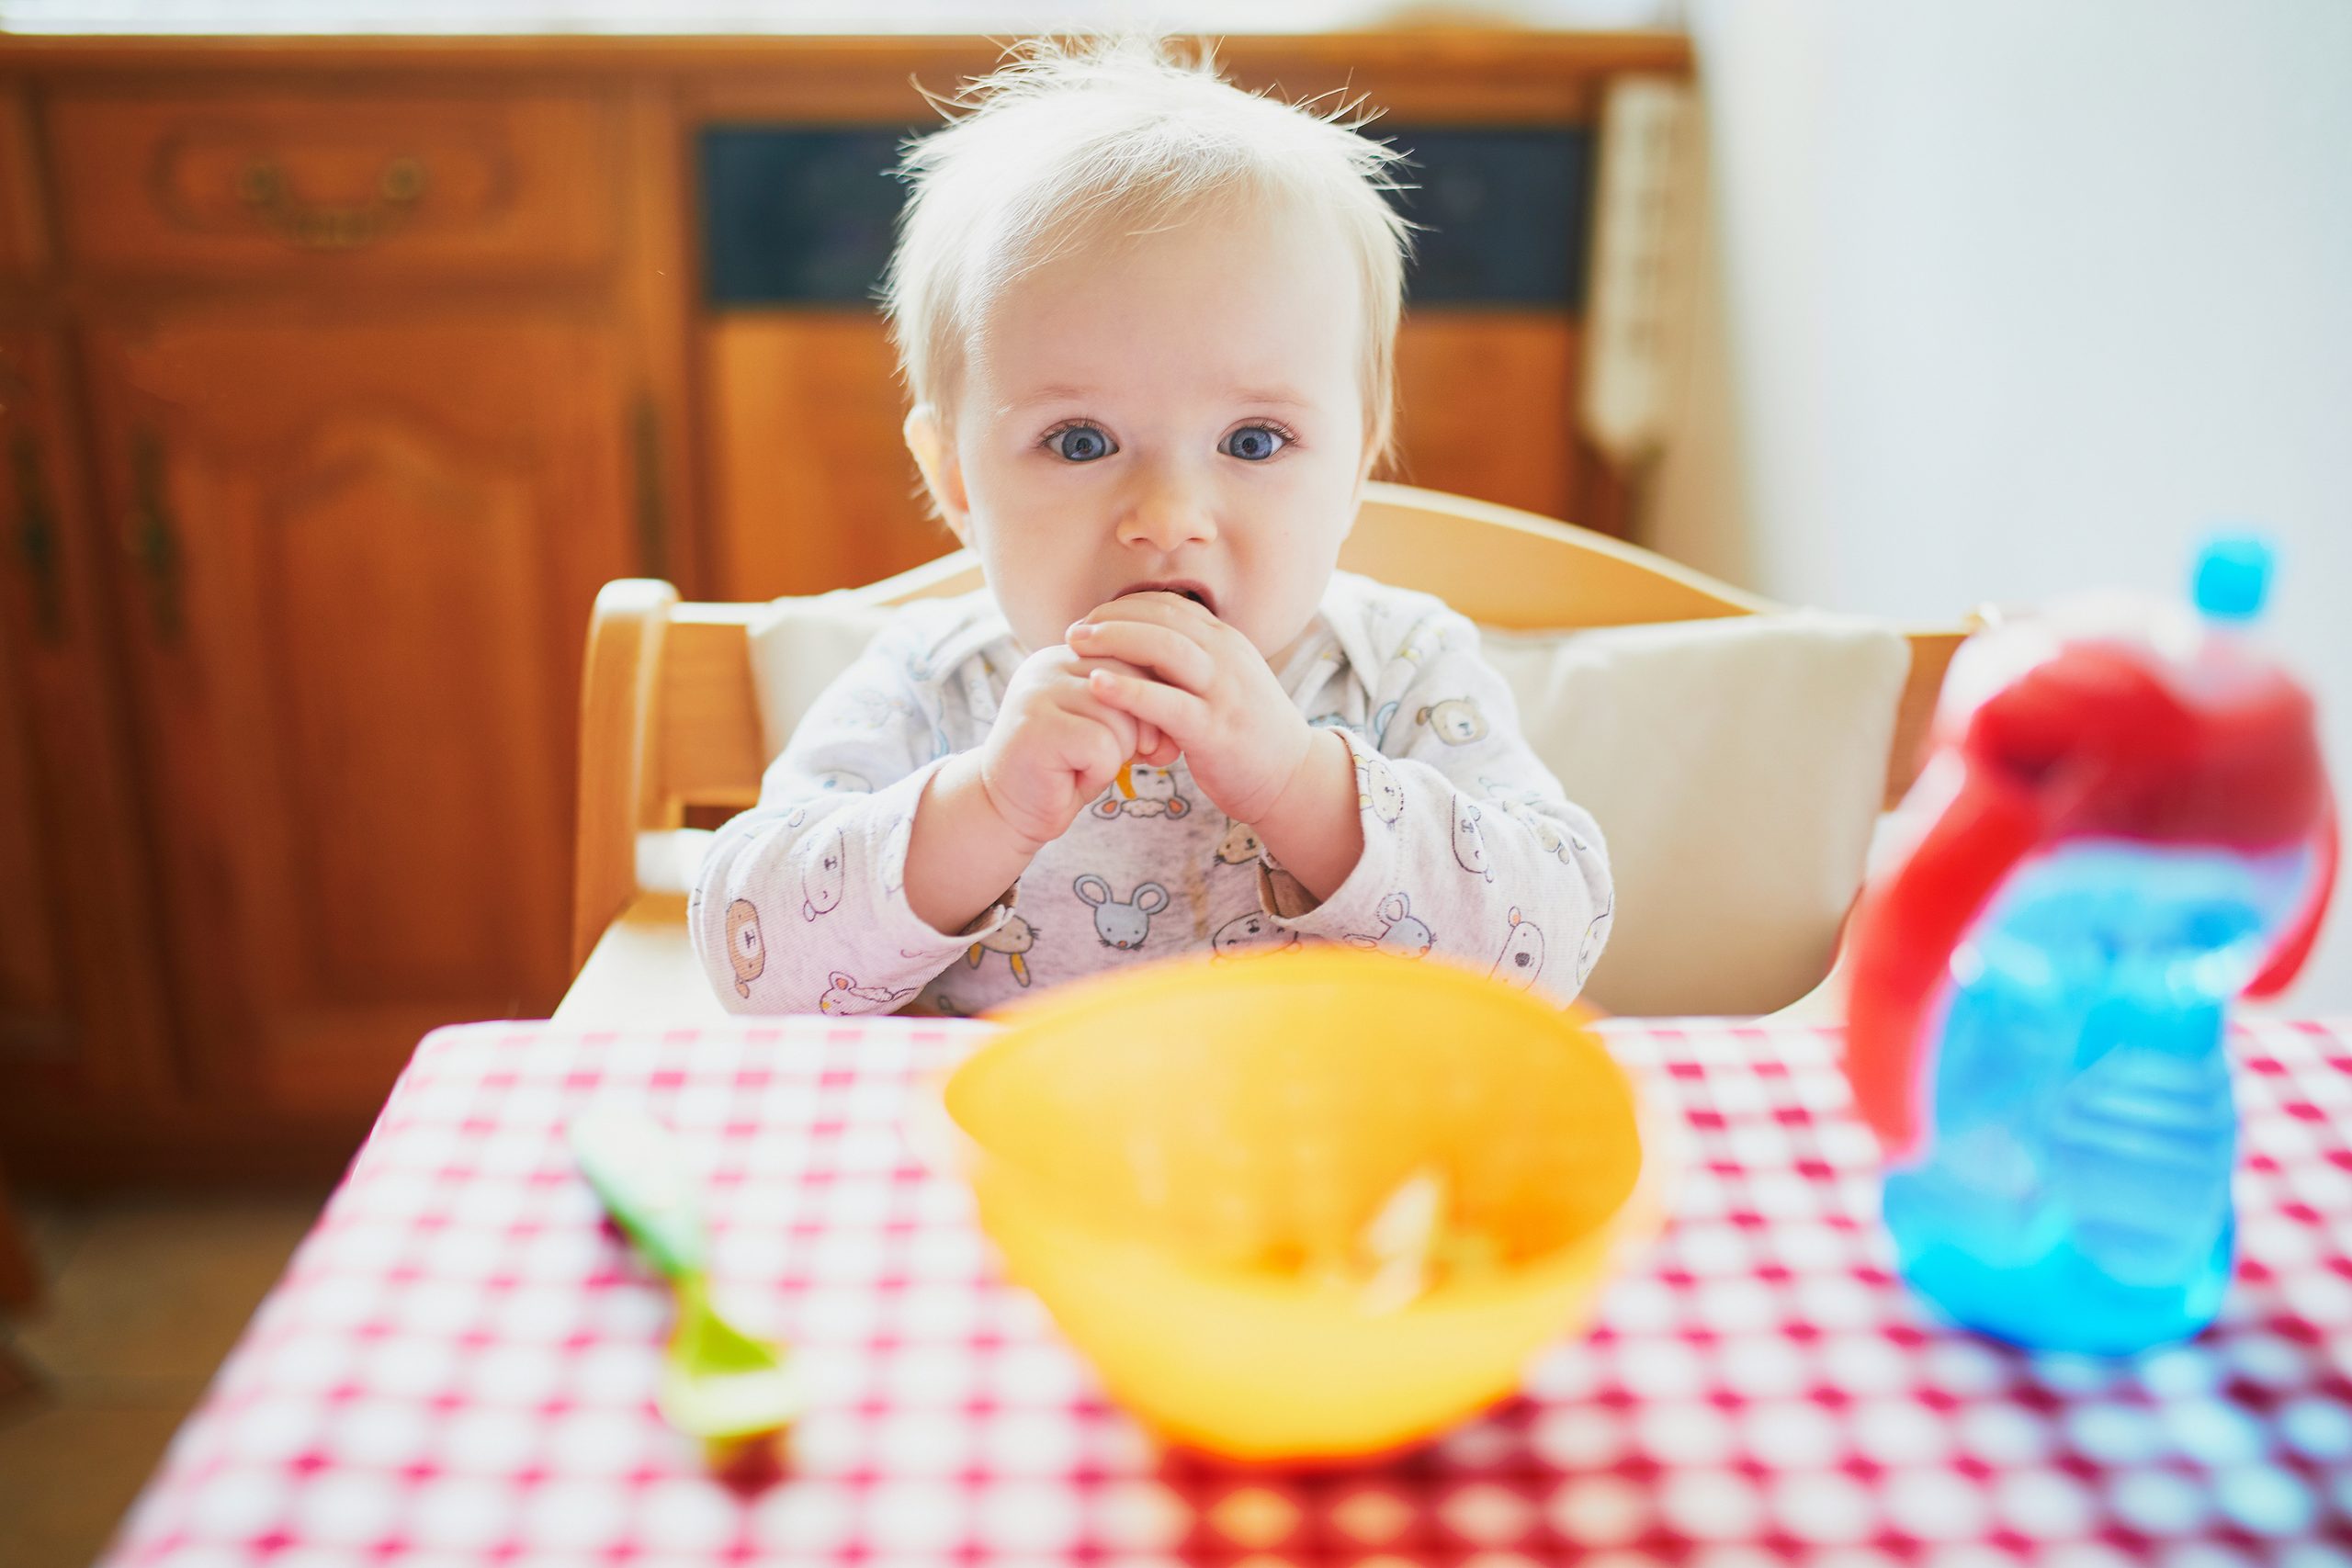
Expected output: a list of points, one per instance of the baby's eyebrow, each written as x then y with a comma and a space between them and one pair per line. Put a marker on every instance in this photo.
1283, 396
1060, 393
1056, 393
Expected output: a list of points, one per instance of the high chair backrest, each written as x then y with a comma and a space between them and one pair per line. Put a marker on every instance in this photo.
670, 719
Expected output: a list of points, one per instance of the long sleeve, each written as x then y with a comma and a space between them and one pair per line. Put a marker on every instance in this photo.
800, 905
1471, 848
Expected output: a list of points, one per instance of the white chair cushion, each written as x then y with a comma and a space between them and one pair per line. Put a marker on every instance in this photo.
1735, 766
798, 648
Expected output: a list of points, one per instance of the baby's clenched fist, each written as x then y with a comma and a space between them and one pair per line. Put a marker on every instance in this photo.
1055, 745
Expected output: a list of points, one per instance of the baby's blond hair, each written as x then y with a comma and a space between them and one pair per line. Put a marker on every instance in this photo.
1121, 136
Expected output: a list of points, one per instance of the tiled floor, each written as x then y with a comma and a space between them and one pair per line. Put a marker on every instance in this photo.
144, 1296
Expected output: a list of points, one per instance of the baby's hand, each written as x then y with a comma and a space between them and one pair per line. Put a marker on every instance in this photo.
1205, 688
1056, 744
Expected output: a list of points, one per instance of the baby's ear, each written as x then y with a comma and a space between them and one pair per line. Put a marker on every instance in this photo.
934, 453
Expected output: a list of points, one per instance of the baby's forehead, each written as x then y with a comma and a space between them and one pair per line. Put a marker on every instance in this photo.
1251, 307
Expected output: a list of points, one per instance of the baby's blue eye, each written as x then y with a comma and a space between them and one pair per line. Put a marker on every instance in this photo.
1079, 443
1254, 443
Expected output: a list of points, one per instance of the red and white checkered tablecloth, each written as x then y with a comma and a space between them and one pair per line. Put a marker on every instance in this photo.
459, 1366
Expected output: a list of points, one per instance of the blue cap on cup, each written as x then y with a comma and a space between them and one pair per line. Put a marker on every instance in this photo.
2234, 577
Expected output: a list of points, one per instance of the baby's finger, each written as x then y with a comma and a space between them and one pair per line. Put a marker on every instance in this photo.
1167, 609
1176, 713
1094, 745
1146, 740
1164, 650
1125, 727
1162, 751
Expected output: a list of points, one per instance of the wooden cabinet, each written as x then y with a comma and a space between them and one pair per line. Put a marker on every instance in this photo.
24, 229
336, 377
271, 184
359, 558
82, 1009
806, 412
334, 405
36, 988
1475, 393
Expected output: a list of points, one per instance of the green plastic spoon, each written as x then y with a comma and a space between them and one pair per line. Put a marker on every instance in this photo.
719, 1384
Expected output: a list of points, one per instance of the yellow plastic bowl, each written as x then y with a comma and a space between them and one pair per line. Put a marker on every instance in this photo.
1164, 1156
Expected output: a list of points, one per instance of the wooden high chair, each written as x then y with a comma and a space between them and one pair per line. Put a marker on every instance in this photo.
669, 720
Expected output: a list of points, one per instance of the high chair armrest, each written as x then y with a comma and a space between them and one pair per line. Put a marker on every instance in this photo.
619, 698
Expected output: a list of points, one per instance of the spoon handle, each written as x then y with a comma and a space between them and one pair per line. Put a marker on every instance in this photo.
641, 1175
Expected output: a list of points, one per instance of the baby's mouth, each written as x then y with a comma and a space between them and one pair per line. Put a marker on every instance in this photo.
1192, 591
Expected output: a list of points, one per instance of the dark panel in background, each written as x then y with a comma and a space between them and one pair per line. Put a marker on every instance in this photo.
1505, 213
802, 216
796, 216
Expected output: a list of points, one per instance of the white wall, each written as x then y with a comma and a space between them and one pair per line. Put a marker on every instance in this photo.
2008, 298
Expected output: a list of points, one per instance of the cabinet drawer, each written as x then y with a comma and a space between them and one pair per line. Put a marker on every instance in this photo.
333, 186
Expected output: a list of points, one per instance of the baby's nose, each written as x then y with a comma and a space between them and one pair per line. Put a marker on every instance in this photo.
1168, 512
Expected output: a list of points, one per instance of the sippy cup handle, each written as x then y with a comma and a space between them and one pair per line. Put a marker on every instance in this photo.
1905, 933
2299, 936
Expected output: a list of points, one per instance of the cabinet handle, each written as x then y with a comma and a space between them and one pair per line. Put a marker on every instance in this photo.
36, 537
651, 508
152, 538
313, 226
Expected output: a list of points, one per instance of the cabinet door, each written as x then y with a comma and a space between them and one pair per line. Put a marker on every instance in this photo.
812, 487
1487, 407
79, 1006
358, 561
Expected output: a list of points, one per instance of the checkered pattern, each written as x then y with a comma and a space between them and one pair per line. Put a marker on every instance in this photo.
458, 1368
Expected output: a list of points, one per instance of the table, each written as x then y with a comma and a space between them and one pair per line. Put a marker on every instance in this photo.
458, 1364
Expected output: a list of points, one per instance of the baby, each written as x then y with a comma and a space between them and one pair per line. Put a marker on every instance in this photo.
1148, 322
